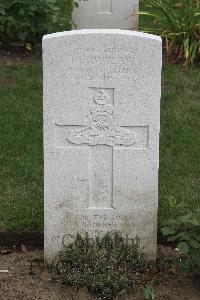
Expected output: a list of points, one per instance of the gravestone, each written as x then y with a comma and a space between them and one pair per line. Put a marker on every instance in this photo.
101, 136
120, 14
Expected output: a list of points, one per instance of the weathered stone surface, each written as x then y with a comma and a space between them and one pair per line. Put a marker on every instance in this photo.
101, 136
120, 14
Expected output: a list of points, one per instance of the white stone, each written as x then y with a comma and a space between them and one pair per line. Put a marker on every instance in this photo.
120, 14
101, 136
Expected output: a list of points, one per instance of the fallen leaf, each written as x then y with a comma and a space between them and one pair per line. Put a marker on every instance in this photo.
23, 248
28, 46
45, 276
4, 250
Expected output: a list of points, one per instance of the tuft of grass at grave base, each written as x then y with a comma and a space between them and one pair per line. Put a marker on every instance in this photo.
21, 161
106, 266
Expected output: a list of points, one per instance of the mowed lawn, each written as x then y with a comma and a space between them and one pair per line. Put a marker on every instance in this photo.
21, 162
21, 158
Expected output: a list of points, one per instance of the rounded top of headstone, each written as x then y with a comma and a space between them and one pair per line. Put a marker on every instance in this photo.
102, 31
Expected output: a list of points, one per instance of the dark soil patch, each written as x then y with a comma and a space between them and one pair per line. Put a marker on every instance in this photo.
31, 239
18, 55
29, 280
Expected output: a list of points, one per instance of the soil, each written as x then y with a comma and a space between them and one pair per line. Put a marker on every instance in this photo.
13, 56
28, 279
30, 239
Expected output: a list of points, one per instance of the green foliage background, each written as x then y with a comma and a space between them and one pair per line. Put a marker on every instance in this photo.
178, 23
24, 21
185, 231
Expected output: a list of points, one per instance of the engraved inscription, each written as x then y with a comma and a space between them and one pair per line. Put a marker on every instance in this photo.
97, 224
101, 128
104, 72
109, 63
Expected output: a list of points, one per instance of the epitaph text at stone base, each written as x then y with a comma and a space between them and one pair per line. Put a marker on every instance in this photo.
101, 136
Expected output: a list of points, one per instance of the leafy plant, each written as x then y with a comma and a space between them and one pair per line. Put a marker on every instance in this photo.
66, 9
185, 230
149, 293
178, 24
23, 21
106, 266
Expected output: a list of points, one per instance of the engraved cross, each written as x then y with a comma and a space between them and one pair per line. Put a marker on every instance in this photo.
102, 134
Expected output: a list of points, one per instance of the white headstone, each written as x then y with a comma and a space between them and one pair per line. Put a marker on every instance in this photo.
101, 136
120, 14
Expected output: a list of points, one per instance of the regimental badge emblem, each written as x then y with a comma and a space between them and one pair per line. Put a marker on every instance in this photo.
102, 128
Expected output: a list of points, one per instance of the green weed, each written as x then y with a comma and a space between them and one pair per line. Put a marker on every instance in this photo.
185, 230
178, 24
106, 266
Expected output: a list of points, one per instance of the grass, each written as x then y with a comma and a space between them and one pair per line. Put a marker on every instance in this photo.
21, 162
179, 138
